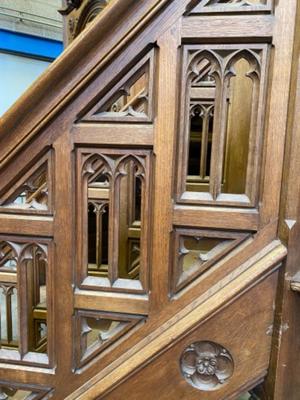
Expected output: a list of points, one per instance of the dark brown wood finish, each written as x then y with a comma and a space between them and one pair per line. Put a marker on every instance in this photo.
153, 170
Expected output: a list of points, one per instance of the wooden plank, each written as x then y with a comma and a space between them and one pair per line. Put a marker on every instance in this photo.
8, 277
113, 134
26, 225
216, 218
112, 302
165, 130
231, 26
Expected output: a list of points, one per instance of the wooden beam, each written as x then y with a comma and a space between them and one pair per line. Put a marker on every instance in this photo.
36, 225
116, 134
207, 217
229, 26
8, 277
112, 302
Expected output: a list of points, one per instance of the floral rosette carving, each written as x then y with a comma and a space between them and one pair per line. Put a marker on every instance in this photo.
206, 365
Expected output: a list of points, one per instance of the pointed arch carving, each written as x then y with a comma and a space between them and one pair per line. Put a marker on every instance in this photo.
27, 285
104, 177
206, 103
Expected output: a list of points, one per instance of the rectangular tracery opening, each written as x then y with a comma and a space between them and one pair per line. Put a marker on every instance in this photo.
24, 302
114, 205
220, 139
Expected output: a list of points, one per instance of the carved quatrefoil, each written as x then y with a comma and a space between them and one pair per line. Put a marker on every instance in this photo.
206, 365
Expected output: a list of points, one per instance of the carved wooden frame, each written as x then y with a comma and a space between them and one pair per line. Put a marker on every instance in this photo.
257, 55
143, 158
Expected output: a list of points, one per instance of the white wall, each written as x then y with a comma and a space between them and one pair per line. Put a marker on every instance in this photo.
16, 75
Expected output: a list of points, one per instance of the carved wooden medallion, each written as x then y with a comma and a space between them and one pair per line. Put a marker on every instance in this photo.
206, 365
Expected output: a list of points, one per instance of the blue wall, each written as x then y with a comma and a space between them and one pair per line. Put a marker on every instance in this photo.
22, 60
29, 45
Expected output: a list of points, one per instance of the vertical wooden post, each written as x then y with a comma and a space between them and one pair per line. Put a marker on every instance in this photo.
283, 381
164, 146
63, 271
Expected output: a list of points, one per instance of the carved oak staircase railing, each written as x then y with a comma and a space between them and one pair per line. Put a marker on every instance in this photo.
148, 207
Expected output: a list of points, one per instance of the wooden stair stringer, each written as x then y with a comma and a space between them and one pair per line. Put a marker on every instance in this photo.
181, 324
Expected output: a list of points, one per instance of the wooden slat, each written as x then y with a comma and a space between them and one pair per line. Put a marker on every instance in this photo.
203, 93
113, 134
8, 277
232, 26
26, 225
216, 218
40, 313
104, 301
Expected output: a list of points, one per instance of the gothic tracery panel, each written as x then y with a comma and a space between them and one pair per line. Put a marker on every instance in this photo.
221, 127
26, 312
114, 205
32, 192
128, 100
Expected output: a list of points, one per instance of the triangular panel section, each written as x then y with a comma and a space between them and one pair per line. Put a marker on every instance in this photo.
207, 6
99, 330
197, 250
31, 192
130, 99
